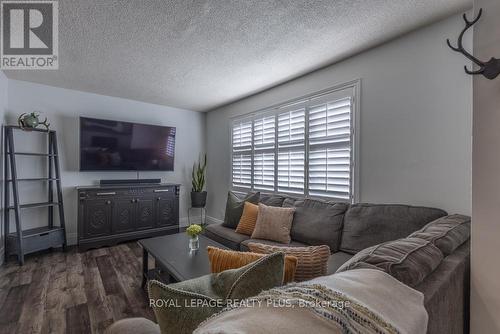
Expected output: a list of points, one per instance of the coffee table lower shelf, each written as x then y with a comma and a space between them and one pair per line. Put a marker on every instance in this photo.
173, 260
157, 273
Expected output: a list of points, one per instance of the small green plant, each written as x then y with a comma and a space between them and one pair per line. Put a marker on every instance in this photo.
198, 175
194, 230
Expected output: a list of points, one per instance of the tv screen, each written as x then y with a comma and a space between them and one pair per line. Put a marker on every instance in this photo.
114, 145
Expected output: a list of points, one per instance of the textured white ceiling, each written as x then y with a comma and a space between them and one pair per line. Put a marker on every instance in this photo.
199, 54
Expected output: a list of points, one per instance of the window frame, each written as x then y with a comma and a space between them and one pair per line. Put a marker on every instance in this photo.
275, 110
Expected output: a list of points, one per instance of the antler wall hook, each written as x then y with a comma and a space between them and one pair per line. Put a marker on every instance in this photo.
491, 68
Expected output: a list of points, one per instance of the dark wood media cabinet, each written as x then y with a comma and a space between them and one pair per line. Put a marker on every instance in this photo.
111, 214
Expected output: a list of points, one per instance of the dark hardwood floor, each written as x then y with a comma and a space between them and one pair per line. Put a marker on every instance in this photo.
72, 292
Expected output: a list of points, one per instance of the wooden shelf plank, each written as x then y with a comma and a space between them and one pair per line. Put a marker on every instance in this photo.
34, 179
16, 127
35, 231
35, 205
33, 154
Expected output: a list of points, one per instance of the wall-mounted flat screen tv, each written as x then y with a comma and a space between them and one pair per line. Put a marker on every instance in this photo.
114, 145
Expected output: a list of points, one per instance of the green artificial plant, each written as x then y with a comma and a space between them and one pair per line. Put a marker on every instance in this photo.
198, 175
194, 230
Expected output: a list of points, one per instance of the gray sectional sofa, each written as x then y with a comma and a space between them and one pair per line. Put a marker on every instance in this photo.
349, 229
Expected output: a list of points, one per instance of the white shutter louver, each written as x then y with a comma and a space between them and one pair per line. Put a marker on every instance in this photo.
291, 126
242, 154
264, 144
263, 133
242, 135
263, 171
242, 170
291, 171
291, 151
330, 149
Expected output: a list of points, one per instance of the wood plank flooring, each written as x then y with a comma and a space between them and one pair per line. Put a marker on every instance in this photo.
71, 292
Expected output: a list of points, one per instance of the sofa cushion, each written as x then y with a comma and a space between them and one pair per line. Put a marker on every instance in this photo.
273, 223
225, 235
317, 222
312, 261
223, 259
336, 260
234, 207
446, 233
248, 219
409, 260
366, 225
271, 200
244, 243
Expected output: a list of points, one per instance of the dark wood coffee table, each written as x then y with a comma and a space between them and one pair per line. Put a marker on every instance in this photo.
174, 262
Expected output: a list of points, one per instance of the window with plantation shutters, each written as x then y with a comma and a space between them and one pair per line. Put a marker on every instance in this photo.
305, 147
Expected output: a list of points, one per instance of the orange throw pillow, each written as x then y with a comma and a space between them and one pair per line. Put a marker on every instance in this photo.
248, 219
222, 259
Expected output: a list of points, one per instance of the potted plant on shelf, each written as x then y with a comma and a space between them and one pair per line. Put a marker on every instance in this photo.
193, 231
198, 196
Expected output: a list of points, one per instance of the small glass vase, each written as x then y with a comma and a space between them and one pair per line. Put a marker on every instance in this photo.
194, 243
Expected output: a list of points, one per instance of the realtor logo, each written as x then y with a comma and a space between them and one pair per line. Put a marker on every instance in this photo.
29, 35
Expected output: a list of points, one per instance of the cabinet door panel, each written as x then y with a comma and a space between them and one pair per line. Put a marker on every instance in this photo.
97, 218
124, 215
166, 211
145, 213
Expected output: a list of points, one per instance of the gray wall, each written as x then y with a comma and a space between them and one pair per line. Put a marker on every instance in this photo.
485, 269
416, 109
63, 107
3, 108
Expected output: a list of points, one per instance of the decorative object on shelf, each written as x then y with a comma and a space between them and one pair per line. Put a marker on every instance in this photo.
193, 231
198, 196
31, 121
489, 69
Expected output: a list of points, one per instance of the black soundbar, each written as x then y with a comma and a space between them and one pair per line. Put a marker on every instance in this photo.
130, 181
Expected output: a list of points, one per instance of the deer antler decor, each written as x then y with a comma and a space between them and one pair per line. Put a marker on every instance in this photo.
490, 69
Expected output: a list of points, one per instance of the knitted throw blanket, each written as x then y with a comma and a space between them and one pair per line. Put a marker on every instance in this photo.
332, 305
363, 301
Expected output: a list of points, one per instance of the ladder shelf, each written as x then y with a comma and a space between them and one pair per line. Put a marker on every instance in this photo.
24, 241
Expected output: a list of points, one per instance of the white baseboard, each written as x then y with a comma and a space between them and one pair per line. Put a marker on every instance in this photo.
197, 220
213, 220
184, 221
72, 239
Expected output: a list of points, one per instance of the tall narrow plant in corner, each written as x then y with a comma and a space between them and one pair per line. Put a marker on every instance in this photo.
198, 196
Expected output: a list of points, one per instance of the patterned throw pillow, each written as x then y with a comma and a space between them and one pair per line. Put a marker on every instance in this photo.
234, 207
312, 261
222, 259
236, 284
248, 219
273, 224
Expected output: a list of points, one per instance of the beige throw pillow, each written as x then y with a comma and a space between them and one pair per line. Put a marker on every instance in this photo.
273, 223
312, 260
